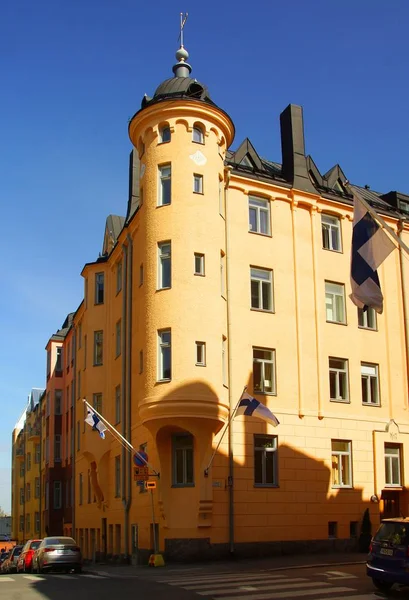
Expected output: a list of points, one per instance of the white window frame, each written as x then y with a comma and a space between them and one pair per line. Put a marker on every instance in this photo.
261, 280
164, 346
261, 450
339, 466
259, 213
390, 458
335, 302
267, 386
331, 233
165, 175
200, 354
370, 380
338, 373
198, 134
199, 264
164, 258
197, 183
367, 319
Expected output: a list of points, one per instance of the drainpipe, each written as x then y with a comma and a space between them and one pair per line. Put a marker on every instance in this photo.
404, 297
229, 365
72, 437
40, 473
128, 392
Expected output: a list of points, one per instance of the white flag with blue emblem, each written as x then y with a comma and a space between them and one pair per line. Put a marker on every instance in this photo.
250, 407
95, 423
370, 247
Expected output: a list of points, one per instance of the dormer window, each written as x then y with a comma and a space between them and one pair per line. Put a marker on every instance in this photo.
338, 186
198, 135
164, 134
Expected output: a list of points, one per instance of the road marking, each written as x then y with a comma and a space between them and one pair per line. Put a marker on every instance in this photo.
359, 597
263, 581
265, 588
4, 578
91, 576
60, 576
227, 577
33, 577
297, 594
332, 575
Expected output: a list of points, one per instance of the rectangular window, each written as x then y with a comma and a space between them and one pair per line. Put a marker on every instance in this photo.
79, 335
261, 289
341, 456
198, 184
97, 402
393, 465
117, 404
264, 379
58, 362
118, 276
99, 288
57, 495
37, 487
28, 461
47, 495
201, 354
259, 215
28, 523
57, 448
165, 185
199, 264
58, 402
182, 460
98, 347
224, 361
265, 460
21, 469
370, 384
367, 318
338, 380
28, 492
335, 302
80, 489
331, 233
37, 454
165, 355
21, 495
223, 274
21, 523
164, 265
221, 197
140, 361
37, 522
117, 476
332, 529
118, 338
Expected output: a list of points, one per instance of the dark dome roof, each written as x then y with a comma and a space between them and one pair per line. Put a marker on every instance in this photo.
179, 87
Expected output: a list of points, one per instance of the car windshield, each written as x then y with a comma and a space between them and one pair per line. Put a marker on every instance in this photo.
394, 533
67, 541
34, 545
17, 551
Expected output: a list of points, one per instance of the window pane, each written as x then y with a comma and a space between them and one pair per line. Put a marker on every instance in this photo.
268, 377
258, 469
189, 465
264, 354
255, 300
266, 289
340, 446
332, 385
166, 191
264, 222
270, 464
395, 471
342, 381
340, 308
346, 474
166, 272
166, 362
253, 219
257, 383
179, 466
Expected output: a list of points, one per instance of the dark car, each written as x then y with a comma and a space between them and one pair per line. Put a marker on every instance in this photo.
10, 564
388, 560
57, 553
3, 557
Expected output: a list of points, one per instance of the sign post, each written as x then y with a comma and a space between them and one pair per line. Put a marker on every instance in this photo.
155, 559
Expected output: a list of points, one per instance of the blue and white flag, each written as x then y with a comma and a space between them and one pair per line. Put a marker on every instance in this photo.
250, 407
95, 423
370, 247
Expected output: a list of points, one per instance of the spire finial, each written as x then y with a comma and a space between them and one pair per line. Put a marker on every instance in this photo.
182, 68
183, 19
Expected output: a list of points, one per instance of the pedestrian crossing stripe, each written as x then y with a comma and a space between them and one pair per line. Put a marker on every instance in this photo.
265, 580
226, 577
261, 589
4, 578
291, 594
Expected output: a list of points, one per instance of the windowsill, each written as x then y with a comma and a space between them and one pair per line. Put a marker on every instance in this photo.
378, 405
367, 328
98, 303
162, 205
340, 401
332, 250
337, 322
342, 487
163, 380
261, 233
199, 274
183, 485
196, 142
200, 365
164, 289
265, 393
263, 310
98, 365
164, 142
393, 486
117, 356
266, 485
200, 193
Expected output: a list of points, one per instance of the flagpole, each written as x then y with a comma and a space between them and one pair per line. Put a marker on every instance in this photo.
383, 223
119, 437
206, 471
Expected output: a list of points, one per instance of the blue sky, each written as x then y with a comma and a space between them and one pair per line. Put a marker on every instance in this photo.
72, 73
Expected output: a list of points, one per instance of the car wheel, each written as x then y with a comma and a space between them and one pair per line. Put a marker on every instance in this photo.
383, 586
78, 570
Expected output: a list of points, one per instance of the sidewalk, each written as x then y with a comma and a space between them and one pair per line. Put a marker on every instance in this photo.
278, 563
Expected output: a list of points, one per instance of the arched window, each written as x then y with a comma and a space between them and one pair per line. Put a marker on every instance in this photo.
198, 135
164, 134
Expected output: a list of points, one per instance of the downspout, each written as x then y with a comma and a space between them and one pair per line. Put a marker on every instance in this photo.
72, 438
24, 480
229, 365
123, 383
39, 468
404, 302
128, 392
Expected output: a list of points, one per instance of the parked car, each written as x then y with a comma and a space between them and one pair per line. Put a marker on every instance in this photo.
10, 564
388, 554
25, 560
57, 553
3, 557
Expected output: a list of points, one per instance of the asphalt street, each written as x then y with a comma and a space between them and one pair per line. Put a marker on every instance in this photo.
335, 582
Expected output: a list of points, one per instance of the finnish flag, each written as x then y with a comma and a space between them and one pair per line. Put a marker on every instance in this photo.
95, 423
370, 247
250, 407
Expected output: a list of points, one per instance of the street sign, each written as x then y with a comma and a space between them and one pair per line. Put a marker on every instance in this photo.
141, 473
140, 458
150, 485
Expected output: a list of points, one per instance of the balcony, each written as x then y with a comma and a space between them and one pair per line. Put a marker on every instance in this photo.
20, 453
34, 433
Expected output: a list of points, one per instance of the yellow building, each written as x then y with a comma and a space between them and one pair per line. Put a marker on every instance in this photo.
231, 272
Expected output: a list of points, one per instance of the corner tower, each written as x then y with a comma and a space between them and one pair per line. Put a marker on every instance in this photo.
181, 137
